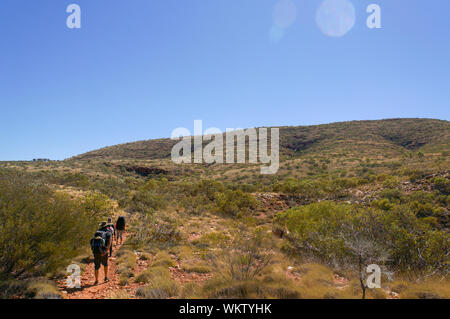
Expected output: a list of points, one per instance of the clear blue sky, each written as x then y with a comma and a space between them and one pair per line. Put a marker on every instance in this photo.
137, 69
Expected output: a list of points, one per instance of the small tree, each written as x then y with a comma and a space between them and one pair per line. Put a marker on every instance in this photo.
362, 248
340, 235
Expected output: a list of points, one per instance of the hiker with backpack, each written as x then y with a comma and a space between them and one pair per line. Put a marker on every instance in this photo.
120, 228
100, 250
112, 229
112, 226
109, 236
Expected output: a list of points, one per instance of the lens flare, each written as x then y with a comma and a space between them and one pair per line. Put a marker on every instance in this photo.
284, 13
335, 17
276, 34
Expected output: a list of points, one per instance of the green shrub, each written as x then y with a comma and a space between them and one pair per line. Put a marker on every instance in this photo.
126, 261
239, 268
391, 182
304, 188
234, 202
442, 185
124, 278
415, 175
159, 288
73, 179
421, 197
163, 259
213, 239
332, 232
146, 200
209, 188
126, 273
434, 288
422, 210
383, 204
376, 293
191, 290
195, 205
222, 288
392, 194
198, 268
152, 273
315, 275
145, 256
12, 288
151, 231
278, 287
98, 205
41, 230
43, 290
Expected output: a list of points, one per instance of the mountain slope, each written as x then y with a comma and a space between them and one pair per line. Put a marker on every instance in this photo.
391, 135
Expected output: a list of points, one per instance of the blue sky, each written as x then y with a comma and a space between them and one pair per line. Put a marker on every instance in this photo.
137, 69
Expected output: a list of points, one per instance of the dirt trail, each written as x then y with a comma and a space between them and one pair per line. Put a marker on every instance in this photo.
100, 291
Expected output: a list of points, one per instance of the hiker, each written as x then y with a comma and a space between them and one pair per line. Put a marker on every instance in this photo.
109, 236
120, 228
112, 229
100, 250
111, 225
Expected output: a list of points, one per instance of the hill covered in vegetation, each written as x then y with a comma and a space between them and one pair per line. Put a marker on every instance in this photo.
346, 195
388, 136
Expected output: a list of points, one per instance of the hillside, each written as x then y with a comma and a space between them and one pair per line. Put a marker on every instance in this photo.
380, 185
379, 136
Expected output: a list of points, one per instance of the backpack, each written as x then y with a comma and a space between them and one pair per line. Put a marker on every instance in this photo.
98, 244
120, 225
110, 228
106, 235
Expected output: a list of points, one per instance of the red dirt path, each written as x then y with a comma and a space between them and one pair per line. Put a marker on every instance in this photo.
100, 291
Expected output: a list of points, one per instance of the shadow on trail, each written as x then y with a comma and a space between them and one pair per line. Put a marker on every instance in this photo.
83, 287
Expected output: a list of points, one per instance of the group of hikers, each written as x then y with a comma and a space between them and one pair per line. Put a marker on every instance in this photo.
102, 243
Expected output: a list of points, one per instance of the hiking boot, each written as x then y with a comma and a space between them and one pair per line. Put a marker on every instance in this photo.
106, 279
